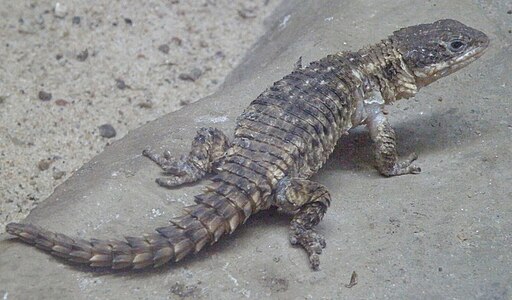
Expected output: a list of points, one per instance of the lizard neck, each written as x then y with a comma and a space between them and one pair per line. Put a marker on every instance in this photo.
385, 66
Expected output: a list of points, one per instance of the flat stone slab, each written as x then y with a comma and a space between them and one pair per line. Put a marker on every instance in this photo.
445, 233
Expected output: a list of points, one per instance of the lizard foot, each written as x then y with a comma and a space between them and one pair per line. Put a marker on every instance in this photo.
181, 170
310, 240
207, 150
404, 167
308, 200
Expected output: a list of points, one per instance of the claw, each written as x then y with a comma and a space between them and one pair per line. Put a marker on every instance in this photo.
168, 155
311, 241
147, 152
404, 167
168, 182
181, 170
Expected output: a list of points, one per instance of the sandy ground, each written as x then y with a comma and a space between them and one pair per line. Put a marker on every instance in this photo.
67, 68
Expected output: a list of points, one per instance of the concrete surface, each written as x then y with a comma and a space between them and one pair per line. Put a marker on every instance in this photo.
443, 234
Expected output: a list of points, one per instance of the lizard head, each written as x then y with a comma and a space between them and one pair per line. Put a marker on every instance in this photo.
434, 50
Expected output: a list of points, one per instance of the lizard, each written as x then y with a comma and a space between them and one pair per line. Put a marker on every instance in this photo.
280, 140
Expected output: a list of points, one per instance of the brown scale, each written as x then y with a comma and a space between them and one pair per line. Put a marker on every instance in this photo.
179, 242
313, 116
122, 255
272, 163
346, 76
248, 138
229, 213
324, 115
274, 98
142, 251
214, 223
193, 229
321, 154
310, 97
303, 83
262, 180
271, 109
274, 135
299, 102
286, 132
337, 99
251, 165
314, 91
274, 146
257, 180
234, 195
297, 126
290, 131
244, 185
273, 126
283, 139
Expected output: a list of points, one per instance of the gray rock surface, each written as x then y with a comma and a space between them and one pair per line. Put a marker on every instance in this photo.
445, 233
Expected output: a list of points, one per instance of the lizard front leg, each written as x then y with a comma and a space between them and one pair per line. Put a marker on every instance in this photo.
308, 200
384, 139
207, 150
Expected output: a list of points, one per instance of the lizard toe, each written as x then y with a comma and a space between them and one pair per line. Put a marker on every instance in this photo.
312, 242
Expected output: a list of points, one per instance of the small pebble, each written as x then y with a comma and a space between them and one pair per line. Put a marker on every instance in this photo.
164, 48
107, 131
58, 56
76, 20
128, 21
146, 104
220, 55
194, 74
61, 102
247, 13
509, 11
121, 84
44, 96
57, 174
82, 56
176, 41
60, 10
44, 164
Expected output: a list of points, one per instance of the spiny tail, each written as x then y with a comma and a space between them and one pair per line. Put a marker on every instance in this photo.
214, 215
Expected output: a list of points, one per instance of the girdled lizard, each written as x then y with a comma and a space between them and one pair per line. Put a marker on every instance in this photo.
283, 138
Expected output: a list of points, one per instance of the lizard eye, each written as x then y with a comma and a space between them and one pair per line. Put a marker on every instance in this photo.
456, 45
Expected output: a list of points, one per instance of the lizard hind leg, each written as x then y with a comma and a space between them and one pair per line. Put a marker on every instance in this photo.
308, 200
207, 150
